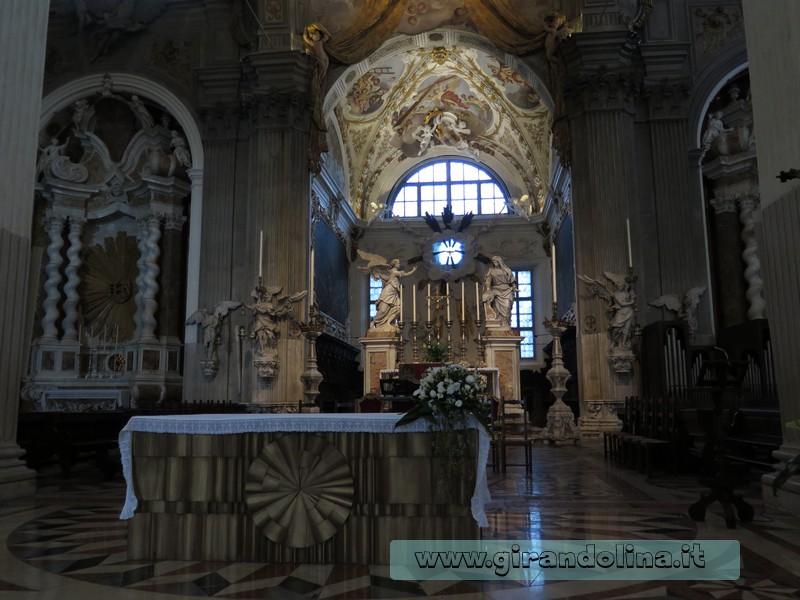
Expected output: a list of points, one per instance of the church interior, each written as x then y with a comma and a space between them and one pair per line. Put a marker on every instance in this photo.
240, 237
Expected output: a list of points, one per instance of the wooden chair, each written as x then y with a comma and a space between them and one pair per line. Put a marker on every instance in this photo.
512, 429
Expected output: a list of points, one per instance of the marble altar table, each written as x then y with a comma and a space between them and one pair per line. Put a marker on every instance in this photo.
302, 488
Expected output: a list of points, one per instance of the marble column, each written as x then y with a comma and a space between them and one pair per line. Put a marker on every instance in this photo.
74, 262
728, 257
23, 32
601, 105
773, 51
55, 228
169, 309
674, 223
752, 273
147, 281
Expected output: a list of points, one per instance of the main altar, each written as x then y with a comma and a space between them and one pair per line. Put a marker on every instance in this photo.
305, 488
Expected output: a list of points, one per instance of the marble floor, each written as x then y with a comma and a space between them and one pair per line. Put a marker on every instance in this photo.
67, 543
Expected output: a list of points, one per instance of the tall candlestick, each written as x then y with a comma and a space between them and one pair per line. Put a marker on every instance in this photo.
414, 304
463, 303
428, 301
261, 253
447, 294
478, 301
553, 265
630, 254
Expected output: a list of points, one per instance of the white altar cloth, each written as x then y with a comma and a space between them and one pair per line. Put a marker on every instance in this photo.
226, 424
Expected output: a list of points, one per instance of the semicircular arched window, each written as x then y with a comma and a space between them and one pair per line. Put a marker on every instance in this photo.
463, 185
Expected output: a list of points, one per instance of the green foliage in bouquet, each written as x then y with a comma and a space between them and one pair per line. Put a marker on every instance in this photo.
435, 352
447, 397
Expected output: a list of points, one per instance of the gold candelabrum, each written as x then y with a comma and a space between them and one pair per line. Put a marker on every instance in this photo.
414, 341
463, 326
481, 342
399, 344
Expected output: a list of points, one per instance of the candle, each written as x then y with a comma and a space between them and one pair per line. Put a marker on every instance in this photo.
463, 300
116, 338
401, 302
630, 254
414, 304
311, 278
428, 301
478, 301
261, 253
553, 265
447, 294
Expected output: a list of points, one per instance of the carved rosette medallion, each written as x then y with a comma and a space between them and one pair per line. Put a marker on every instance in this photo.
299, 490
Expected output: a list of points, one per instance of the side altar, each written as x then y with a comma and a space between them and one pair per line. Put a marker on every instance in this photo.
303, 488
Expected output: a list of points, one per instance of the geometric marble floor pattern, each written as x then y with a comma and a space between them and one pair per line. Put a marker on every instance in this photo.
68, 543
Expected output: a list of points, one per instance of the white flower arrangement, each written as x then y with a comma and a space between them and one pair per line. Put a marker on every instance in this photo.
447, 395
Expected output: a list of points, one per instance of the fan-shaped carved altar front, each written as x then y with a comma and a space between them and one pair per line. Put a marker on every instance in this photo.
299, 490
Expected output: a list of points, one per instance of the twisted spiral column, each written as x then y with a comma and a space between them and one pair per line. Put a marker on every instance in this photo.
54, 227
148, 275
74, 263
752, 272
141, 243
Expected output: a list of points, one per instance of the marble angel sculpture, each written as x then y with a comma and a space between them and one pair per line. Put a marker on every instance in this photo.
271, 305
621, 300
181, 152
684, 308
211, 321
388, 303
557, 28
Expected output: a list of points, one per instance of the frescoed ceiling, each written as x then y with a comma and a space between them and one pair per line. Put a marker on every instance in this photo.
446, 92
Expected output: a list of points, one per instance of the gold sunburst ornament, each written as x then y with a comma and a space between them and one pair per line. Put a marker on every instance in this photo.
299, 490
108, 288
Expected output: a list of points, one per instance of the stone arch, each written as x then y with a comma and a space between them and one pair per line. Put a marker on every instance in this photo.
178, 108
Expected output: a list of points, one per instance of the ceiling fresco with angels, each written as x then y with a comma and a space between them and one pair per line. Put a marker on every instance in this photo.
407, 103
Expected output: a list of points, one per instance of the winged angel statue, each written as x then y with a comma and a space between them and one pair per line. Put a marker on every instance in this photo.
210, 322
271, 305
621, 300
388, 303
684, 309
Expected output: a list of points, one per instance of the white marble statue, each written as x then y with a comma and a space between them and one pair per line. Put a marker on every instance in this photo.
49, 155
621, 300
211, 322
137, 106
685, 308
181, 152
271, 305
499, 288
388, 303
714, 128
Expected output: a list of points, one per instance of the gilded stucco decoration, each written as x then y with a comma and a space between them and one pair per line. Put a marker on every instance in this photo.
402, 107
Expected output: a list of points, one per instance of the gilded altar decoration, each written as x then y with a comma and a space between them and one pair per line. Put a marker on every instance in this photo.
299, 490
448, 398
107, 290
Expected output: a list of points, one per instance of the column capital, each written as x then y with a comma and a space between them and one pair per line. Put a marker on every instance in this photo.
668, 98
749, 202
54, 223
725, 204
604, 89
174, 222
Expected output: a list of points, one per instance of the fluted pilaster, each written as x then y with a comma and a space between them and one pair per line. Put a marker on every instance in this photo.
74, 263
54, 227
23, 34
169, 309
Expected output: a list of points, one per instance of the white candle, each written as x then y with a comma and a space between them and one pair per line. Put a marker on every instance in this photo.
553, 269
478, 301
463, 303
414, 303
261, 253
428, 301
116, 338
630, 254
447, 294
401, 301
311, 278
